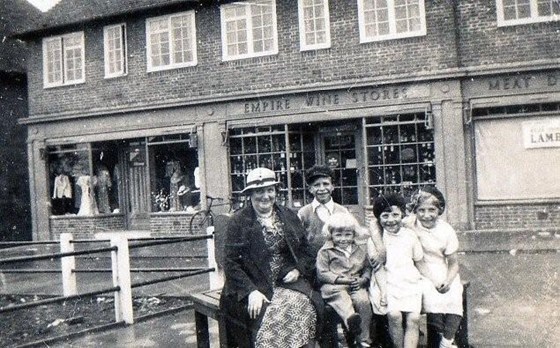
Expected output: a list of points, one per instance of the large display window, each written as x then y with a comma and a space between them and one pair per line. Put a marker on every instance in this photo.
517, 152
399, 153
287, 150
153, 174
84, 179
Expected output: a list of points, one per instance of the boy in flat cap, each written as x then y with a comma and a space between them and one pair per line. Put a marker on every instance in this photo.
313, 215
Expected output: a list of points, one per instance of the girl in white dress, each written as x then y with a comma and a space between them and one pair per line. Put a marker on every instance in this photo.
443, 295
404, 267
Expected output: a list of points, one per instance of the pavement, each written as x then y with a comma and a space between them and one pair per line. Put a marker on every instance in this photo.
514, 297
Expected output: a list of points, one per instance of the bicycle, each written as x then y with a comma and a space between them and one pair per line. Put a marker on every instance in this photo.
205, 218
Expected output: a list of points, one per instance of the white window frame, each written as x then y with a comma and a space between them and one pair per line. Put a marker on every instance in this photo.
63, 63
534, 18
123, 51
392, 23
172, 64
304, 46
249, 31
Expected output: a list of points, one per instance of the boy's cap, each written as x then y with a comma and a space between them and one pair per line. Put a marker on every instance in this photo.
318, 171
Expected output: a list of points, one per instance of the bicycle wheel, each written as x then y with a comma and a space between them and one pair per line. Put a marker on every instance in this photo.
200, 221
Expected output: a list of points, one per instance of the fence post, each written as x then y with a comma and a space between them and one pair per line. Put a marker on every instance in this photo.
67, 265
120, 264
216, 280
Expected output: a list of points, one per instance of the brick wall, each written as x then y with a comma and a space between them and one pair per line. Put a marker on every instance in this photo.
482, 42
531, 217
346, 60
84, 227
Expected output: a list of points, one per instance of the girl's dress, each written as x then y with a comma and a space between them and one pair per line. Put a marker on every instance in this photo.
290, 318
437, 242
404, 287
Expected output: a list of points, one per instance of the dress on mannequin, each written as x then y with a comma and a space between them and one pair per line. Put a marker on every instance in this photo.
88, 206
175, 182
103, 186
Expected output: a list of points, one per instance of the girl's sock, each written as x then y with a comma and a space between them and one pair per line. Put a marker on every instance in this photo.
445, 343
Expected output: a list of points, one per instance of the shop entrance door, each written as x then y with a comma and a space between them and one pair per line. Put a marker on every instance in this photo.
339, 150
136, 187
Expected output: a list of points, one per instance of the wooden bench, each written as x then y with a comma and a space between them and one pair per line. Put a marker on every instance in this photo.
207, 305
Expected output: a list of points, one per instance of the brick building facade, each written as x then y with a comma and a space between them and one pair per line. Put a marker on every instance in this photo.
389, 112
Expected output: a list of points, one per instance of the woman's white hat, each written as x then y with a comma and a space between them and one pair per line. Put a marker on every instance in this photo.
260, 177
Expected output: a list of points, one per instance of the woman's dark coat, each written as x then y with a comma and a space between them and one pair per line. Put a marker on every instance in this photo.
247, 268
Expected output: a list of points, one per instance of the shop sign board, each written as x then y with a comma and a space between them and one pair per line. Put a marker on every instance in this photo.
330, 100
543, 133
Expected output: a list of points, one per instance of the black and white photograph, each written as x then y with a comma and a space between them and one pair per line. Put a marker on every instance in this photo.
280, 173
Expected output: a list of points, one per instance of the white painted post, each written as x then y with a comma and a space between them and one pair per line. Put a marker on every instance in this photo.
68, 265
216, 279
121, 277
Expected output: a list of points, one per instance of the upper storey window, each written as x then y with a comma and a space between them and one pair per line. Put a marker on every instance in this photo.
391, 19
249, 29
115, 50
171, 41
314, 25
63, 60
513, 12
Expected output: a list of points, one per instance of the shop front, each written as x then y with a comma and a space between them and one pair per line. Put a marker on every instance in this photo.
378, 140
148, 170
514, 122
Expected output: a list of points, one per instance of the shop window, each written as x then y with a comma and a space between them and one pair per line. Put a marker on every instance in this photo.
84, 179
508, 149
390, 19
63, 60
286, 150
249, 29
400, 154
174, 173
514, 12
314, 24
171, 41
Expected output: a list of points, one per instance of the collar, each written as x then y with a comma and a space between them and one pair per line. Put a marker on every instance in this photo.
329, 205
330, 245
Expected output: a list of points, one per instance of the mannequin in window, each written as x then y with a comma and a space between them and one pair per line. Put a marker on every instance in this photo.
177, 179
103, 186
88, 206
62, 193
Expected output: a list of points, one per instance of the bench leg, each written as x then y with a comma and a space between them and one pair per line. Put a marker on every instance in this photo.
202, 335
222, 332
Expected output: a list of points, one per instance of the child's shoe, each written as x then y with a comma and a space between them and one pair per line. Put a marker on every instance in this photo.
354, 324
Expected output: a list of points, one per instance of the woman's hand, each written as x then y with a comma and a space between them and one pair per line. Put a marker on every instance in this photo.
291, 276
256, 299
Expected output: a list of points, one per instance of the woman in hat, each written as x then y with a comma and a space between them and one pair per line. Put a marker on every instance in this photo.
267, 298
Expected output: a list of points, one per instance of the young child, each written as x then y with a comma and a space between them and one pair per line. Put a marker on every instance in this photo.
344, 271
404, 260
443, 296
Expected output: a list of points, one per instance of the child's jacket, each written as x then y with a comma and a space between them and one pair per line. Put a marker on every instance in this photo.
333, 263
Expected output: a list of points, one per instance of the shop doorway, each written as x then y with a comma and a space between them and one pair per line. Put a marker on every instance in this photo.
339, 149
137, 206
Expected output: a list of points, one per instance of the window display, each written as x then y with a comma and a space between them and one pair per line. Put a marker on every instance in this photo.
267, 147
400, 154
173, 168
82, 183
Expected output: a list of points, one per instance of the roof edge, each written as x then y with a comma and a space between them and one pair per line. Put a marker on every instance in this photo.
37, 32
